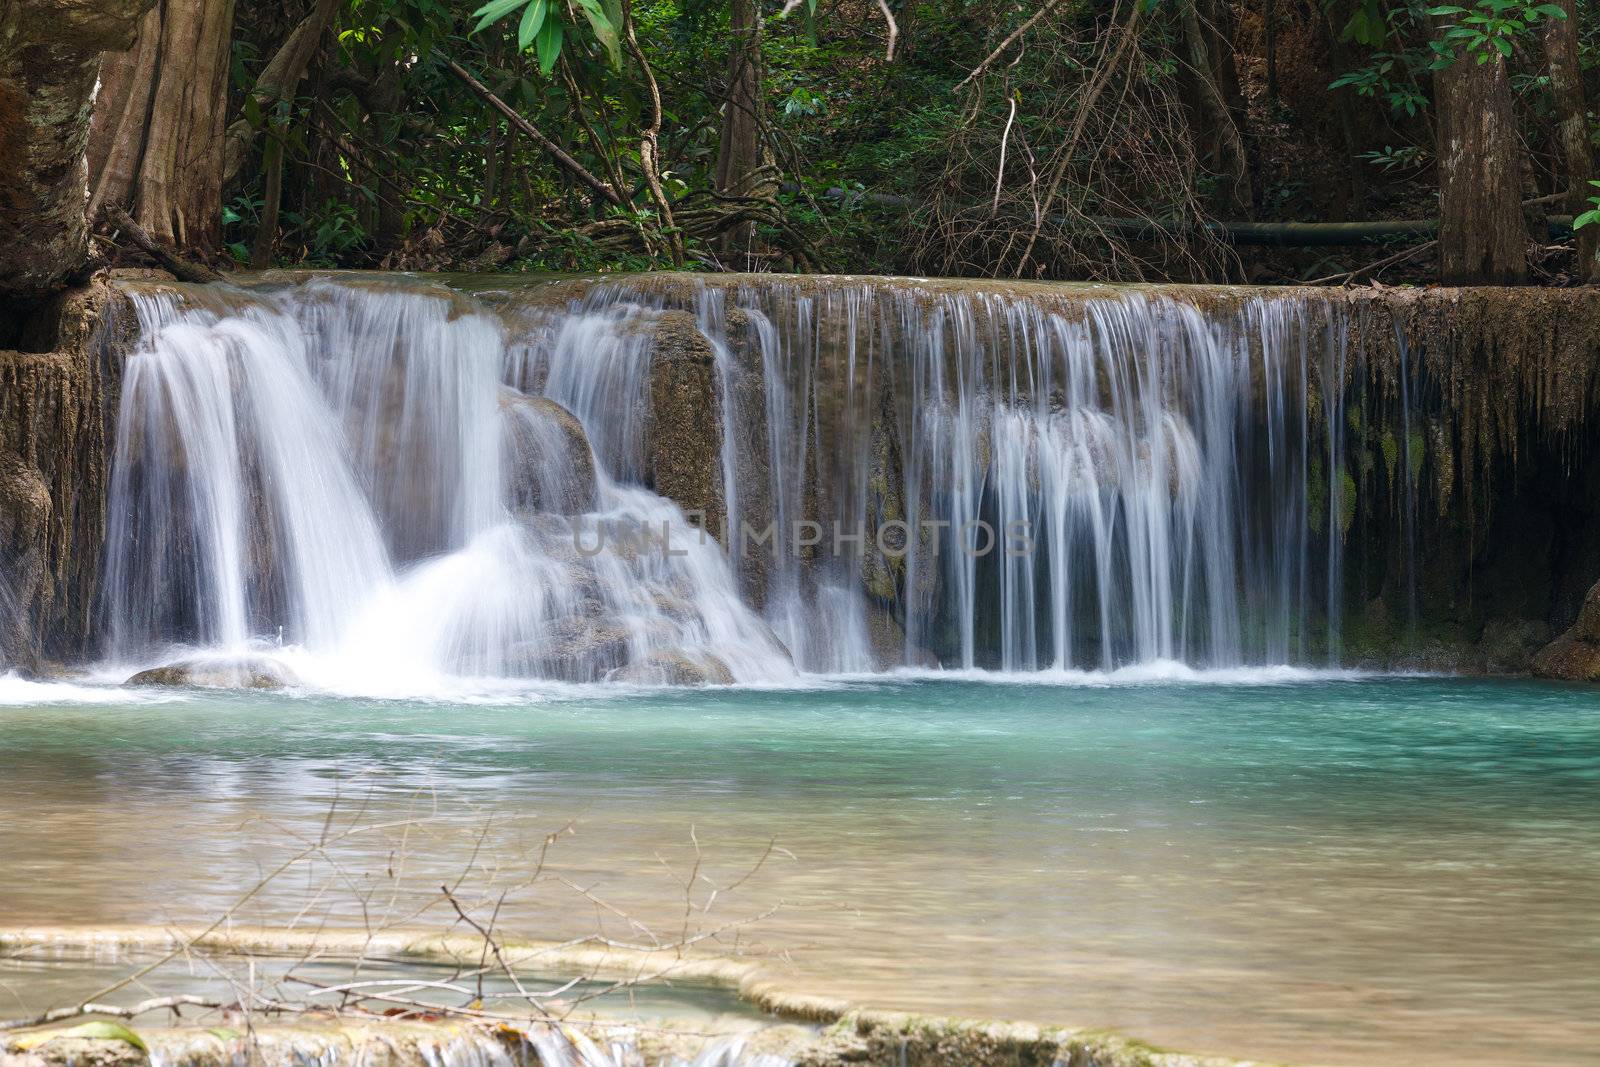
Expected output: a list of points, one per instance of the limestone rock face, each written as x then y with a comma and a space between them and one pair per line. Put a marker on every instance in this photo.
58, 398
888, 640
683, 425
549, 465
1575, 655
24, 516
243, 672
752, 459
675, 668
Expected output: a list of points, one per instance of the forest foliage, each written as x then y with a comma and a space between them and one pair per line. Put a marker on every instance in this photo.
1114, 139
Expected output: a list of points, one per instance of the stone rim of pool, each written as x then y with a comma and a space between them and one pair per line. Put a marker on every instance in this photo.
804, 1028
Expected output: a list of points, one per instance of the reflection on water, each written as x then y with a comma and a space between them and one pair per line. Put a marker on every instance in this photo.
1326, 871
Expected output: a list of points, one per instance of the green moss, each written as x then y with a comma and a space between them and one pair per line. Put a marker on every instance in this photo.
1391, 453
1416, 449
1316, 498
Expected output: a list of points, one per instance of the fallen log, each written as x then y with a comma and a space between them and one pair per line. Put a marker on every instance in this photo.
183, 269
1279, 234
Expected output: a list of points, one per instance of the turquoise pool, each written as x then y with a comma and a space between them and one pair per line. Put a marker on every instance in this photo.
1314, 868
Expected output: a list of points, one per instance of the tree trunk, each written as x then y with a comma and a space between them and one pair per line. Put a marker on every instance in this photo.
1482, 238
1572, 130
739, 146
49, 63
157, 148
277, 81
271, 199
1232, 164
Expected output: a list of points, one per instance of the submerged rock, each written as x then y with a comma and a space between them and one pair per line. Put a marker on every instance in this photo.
244, 672
674, 668
1575, 655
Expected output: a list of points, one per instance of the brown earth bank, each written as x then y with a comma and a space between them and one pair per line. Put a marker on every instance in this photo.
1466, 467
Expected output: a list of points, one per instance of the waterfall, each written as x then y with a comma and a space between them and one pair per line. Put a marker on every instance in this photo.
389, 483
327, 470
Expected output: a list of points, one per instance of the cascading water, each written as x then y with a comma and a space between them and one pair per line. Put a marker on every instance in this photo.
399, 483
326, 468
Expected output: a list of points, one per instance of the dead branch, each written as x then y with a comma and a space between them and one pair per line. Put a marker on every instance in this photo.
1011, 38
89, 1008
555, 151
184, 269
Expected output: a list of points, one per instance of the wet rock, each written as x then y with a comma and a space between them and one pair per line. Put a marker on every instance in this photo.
244, 672
683, 426
883, 572
60, 369
24, 514
548, 463
1508, 646
752, 458
674, 668
888, 640
1575, 655
77, 1052
581, 647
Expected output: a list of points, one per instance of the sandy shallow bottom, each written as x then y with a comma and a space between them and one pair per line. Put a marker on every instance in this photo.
1307, 869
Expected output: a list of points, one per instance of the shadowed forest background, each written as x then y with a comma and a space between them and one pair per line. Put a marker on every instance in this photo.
1123, 140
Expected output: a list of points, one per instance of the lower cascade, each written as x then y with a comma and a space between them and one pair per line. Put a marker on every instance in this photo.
382, 485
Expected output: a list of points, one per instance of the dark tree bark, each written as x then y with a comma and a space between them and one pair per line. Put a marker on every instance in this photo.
739, 146
159, 130
49, 62
1482, 238
1572, 130
1218, 117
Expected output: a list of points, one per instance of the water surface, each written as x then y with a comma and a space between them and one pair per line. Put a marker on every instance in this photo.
1331, 869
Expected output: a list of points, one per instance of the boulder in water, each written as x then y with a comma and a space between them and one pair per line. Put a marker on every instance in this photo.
549, 465
580, 648
243, 672
1575, 655
674, 668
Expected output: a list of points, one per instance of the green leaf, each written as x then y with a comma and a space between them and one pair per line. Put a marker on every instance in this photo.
605, 30
1504, 46
99, 1030
532, 21
1550, 11
549, 45
495, 10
